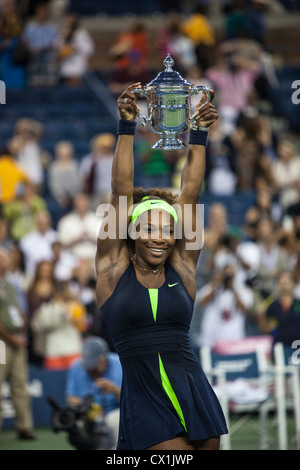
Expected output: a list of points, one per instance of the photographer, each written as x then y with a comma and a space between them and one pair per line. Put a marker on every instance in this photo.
98, 374
225, 307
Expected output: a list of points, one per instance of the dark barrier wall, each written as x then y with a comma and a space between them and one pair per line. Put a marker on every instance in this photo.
42, 384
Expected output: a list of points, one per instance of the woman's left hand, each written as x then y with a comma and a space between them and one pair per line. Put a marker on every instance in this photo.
206, 114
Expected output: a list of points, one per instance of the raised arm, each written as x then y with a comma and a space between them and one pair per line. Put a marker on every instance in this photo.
112, 253
188, 246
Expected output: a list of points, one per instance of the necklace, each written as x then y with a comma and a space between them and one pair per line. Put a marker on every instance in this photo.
155, 271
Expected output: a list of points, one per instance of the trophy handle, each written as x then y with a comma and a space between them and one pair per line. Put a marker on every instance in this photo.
195, 91
145, 120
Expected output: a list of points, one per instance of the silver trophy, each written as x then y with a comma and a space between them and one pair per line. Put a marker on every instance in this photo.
169, 106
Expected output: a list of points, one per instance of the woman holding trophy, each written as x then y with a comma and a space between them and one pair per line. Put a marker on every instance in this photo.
146, 291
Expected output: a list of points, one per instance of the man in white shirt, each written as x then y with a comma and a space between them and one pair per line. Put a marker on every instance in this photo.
78, 230
95, 168
37, 244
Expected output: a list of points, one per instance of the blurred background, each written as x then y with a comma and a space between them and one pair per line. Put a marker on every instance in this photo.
64, 63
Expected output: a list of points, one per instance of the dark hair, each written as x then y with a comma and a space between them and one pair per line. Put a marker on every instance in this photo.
155, 193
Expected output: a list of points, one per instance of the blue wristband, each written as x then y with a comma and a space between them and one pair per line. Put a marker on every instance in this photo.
198, 137
126, 127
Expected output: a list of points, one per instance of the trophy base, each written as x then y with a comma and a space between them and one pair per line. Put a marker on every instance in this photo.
169, 143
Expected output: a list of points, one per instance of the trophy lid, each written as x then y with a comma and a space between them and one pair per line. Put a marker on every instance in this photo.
168, 77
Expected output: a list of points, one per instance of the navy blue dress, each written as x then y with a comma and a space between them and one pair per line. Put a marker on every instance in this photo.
164, 391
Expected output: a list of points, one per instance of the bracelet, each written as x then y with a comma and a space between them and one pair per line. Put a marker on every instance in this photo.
199, 136
126, 127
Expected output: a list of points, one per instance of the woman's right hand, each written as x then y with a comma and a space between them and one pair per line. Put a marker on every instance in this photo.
127, 103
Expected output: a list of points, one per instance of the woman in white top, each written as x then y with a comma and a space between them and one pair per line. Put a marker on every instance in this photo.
75, 47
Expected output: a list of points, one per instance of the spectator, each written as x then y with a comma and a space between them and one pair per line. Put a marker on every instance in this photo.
198, 28
15, 369
11, 175
273, 256
40, 289
236, 20
265, 206
37, 244
63, 180
221, 171
196, 76
214, 232
226, 307
16, 275
64, 262
41, 35
63, 173
131, 47
82, 282
75, 48
13, 67
234, 78
286, 172
95, 168
57, 321
171, 40
281, 319
78, 230
97, 373
21, 212
26, 149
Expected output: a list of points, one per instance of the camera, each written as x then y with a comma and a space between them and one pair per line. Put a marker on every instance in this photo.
85, 430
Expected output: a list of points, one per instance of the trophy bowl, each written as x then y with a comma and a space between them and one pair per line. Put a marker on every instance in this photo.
169, 106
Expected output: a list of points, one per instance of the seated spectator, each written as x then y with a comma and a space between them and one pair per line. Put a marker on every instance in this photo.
226, 306
75, 48
15, 370
234, 79
286, 171
95, 168
63, 180
21, 212
131, 47
281, 319
78, 230
265, 206
197, 27
13, 57
60, 326
221, 172
82, 282
26, 149
64, 262
37, 244
216, 229
40, 35
97, 373
273, 257
11, 175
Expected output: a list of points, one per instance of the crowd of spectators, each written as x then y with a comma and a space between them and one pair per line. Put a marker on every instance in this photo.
49, 246
35, 50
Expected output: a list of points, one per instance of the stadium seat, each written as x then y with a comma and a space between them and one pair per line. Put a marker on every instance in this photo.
242, 383
287, 373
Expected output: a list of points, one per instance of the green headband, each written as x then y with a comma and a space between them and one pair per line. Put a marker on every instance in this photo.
150, 204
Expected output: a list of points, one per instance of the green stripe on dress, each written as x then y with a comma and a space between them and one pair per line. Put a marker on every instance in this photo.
153, 294
170, 392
